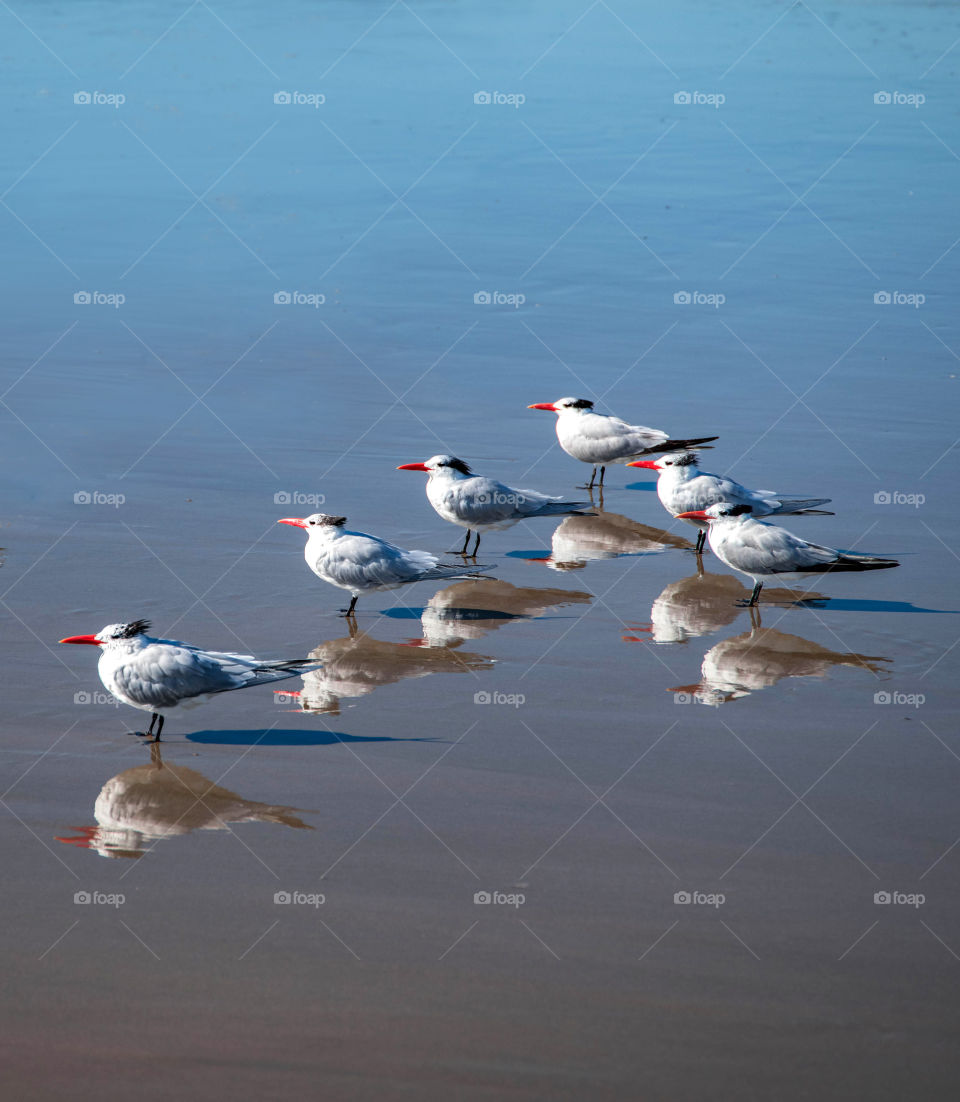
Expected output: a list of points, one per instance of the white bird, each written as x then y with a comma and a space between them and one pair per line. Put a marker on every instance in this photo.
599, 439
683, 487
360, 563
760, 550
480, 504
158, 675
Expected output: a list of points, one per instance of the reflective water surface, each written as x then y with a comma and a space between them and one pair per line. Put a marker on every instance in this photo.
346, 235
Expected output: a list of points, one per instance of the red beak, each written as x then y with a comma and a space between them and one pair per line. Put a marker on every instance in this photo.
295, 521
648, 463
92, 639
694, 514
544, 405
413, 467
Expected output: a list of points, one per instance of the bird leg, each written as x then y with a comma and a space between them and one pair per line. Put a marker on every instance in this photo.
463, 550
153, 719
353, 605
475, 546
755, 595
603, 471
589, 485
701, 540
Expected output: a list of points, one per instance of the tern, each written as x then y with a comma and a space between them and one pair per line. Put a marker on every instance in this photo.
760, 550
359, 563
480, 504
599, 439
682, 487
158, 675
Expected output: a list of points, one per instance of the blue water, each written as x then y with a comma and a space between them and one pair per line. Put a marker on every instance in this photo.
736, 219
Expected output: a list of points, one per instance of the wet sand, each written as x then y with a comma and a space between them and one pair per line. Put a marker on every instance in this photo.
682, 816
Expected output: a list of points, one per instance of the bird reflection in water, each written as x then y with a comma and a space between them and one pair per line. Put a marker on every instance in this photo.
470, 610
761, 657
156, 801
579, 540
702, 604
356, 664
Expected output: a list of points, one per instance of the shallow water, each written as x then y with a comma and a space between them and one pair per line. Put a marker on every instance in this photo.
597, 728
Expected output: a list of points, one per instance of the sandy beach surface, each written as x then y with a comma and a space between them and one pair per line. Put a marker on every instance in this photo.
584, 828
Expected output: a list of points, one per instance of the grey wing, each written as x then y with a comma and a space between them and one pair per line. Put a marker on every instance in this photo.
162, 674
765, 549
617, 440
358, 561
486, 501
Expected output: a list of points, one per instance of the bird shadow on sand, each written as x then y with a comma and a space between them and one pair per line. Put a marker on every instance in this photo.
457, 614
848, 604
289, 738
